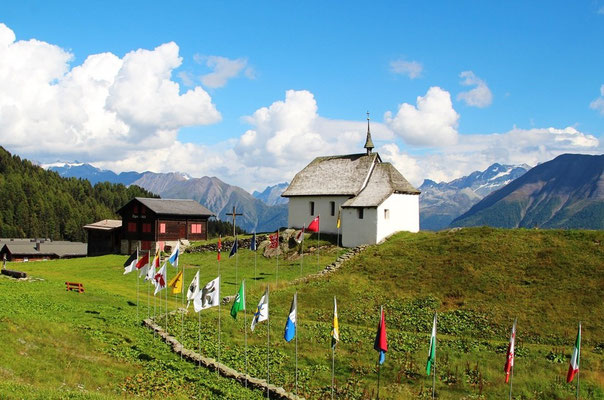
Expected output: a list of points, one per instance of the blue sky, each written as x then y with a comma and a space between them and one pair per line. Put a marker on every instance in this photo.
533, 74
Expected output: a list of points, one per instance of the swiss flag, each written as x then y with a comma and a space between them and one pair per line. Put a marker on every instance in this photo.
314, 225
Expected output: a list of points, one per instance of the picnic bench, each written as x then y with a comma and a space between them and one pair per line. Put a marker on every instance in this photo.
75, 286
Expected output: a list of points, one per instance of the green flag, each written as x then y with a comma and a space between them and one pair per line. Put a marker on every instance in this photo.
432, 351
239, 303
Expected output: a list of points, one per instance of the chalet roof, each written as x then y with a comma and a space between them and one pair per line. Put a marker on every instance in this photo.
384, 181
60, 249
105, 225
173, 206
333, 175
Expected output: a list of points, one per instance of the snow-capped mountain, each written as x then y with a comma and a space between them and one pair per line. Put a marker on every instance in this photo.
272, 194
440, 203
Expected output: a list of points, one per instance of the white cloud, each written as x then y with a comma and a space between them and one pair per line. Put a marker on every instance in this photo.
223, 70
99, 110
480, 96
412, 69
598, 104
432, 123
477, 152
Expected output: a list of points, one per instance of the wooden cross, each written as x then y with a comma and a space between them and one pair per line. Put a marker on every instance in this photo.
234, 214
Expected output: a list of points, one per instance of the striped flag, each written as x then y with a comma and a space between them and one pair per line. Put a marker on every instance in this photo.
174, 256
432, 351
300, 235
130, 264
335, 332
219, 247
573, 368
509, 362
144, 261
381, 342
290, 325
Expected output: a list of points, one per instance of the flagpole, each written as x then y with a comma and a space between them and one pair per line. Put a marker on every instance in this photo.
379, 355
255, 258
511, 379
198, 321
245, 330
182, 305
318, 238
434, 366
219, 301
297, 333
236, 260
278, 249
138, 280
333, 366
268, 340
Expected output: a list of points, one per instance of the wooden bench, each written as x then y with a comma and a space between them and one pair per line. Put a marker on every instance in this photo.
75, 286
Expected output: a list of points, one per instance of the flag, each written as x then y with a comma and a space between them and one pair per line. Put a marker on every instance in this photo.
339, 221
274, 238
253, 242
174, 256
143, 261
160, 279
208, 296
151, 270
193, 289
509, 362
381, 342
300, 235
219, 247
314, 225
290, 325
335, 332
234, 248
130, 264
432, 350
261, 313
176, 283
239, 303
573, 368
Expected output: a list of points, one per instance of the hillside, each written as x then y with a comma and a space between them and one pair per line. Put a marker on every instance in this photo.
566, 192
440, 203
39, 203
216, 195
477, 279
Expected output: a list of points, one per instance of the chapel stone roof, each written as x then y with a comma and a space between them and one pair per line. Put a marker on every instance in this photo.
343, 175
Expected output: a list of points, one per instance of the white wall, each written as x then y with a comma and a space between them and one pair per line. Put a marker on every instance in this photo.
403, 215
299, 211
357, 231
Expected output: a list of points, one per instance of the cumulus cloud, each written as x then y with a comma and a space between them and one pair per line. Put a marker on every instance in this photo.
223, 70
99, 110
432, 123
480, 96
598, 104
412, 69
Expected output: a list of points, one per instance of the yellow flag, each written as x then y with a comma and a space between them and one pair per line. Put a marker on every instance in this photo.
335, 333
338, 223
176, 283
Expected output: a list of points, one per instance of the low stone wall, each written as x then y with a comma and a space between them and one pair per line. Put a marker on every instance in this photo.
275, 392
226, 245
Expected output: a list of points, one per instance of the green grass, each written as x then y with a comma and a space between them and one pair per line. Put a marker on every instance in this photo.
61, 344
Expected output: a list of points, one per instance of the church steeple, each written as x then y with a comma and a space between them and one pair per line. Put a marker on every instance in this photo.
368, 143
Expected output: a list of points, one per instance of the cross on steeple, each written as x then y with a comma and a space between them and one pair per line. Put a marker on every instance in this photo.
368, 143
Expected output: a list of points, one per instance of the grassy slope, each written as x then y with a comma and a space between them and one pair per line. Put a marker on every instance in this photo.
477, 279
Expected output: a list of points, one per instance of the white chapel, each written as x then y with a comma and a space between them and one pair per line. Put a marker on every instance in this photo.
374, 198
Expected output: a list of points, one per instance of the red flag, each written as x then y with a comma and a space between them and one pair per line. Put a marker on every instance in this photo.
143, 261
219, 246
274, 238
509, 363
381, 342
300, 236
314, 225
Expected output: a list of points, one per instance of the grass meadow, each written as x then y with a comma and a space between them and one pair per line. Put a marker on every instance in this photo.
60, 344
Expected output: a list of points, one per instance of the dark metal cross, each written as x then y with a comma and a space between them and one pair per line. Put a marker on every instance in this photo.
234, 214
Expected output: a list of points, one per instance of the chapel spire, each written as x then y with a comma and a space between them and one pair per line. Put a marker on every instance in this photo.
368, 143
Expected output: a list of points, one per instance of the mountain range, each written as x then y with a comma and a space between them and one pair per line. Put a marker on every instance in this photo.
213, 193
566, 192
440, 203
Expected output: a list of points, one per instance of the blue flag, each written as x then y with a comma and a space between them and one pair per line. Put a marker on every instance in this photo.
234, 248
174, 257
253, 242
290, 325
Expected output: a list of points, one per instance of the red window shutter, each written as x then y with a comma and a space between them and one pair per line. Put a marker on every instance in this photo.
131, 226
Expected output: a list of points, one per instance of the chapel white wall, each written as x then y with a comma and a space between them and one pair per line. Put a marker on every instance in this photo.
403, 210
356, 231
299, 211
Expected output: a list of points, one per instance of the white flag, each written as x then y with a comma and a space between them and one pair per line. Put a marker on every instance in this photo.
193, 289
207, 297
261, 313
151, 270
160, 279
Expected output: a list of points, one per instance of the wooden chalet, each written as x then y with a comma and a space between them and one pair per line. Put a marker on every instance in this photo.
104, 237
147, 221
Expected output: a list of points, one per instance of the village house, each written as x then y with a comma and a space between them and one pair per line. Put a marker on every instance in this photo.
372, 197
147, 222
39, 249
